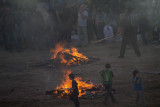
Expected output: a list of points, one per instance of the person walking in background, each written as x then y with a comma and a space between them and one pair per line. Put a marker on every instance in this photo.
82, 24
137, 85
107, 75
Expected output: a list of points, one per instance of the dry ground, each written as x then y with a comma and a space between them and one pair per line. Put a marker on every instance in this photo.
24, 85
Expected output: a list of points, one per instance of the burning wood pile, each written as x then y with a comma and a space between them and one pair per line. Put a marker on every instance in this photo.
66, 57
69, 56
86, 88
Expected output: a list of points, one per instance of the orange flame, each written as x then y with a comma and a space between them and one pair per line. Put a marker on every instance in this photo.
67, 84
60, 51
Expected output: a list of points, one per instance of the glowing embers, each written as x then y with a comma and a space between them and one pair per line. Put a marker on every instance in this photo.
68, 56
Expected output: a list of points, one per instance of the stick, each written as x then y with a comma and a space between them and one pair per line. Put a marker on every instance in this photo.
105, 39
102, 39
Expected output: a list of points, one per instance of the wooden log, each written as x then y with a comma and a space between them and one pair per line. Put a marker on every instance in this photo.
69, 57
102, 40
105, 39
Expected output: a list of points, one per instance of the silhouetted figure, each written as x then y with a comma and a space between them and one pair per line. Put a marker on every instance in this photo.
74, 91
129, 33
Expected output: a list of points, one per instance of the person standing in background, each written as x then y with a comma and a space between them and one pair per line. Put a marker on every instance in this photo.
90, 22
108, 32
82, 24
100, 23
129, 33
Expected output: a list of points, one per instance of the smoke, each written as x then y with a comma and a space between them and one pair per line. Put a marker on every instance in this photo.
33, 23
150, 9
34, 19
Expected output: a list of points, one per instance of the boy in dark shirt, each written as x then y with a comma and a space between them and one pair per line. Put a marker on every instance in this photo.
74, 91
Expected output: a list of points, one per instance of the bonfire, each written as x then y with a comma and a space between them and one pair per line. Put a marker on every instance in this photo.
66, 85
68, 56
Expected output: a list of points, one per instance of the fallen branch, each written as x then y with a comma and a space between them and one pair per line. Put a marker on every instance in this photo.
102, 40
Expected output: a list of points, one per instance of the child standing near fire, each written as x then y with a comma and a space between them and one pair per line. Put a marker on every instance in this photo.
74, 91
137, 84
107, 75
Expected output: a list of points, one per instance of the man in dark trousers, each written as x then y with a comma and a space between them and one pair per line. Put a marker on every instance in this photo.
107, 83
74, 91
129, 33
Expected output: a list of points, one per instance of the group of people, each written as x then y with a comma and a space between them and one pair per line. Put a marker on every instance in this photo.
23, 27
44, 23
107, 78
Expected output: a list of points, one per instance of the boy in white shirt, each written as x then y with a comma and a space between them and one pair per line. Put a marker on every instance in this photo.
108, 32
